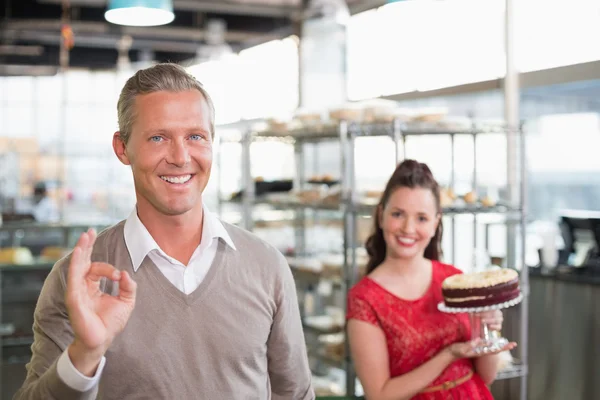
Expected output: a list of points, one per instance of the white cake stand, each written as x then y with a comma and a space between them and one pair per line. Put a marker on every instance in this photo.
491, 341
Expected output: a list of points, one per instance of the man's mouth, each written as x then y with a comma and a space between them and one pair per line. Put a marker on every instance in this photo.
180, 179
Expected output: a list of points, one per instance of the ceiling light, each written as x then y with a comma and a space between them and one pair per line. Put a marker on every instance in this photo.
140, 12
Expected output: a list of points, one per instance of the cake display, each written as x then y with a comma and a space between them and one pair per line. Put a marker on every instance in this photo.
481, 289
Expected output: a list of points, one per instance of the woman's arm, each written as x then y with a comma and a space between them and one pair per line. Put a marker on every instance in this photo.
487, 367
370, 355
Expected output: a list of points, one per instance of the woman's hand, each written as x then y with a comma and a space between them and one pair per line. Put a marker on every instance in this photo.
493, 319
467, 349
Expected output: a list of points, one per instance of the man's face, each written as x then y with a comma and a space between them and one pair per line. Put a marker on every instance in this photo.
169, 150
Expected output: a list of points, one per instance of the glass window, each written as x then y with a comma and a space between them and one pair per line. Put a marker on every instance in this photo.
222, 81
271, 84
48, 124
18, 90
103, 87
49, 89
556, 33
19, 120
79, 87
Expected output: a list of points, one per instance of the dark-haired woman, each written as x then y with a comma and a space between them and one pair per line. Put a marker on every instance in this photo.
402, 346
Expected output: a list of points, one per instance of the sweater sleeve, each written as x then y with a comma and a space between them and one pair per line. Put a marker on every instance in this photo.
289, 372
52, 334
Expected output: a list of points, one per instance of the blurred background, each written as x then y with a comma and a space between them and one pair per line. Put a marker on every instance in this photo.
316, 102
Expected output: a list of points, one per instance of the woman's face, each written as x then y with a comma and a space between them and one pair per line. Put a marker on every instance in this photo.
409, 221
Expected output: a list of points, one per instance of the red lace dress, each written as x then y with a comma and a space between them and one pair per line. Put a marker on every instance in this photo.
416, 331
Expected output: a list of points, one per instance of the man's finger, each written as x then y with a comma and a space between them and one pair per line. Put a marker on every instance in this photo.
91, 235
77, 266
127, 287
99, 270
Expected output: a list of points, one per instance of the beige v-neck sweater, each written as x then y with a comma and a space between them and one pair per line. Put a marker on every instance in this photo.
237, 336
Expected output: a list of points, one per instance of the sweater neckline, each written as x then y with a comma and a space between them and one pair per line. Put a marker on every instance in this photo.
216, 267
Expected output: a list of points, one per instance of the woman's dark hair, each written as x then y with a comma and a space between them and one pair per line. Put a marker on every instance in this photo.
411, 174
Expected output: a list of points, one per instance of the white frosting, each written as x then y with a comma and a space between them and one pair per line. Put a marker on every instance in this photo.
480, 279
454, 300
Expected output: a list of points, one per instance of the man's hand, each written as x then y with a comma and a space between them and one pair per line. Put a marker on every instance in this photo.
96, 317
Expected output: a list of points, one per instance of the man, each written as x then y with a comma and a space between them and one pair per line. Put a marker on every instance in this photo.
44, 209
171, 303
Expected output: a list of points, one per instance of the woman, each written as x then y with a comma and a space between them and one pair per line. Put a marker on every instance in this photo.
402, 346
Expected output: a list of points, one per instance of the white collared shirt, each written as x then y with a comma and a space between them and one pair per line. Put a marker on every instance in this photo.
186, 278
140, 244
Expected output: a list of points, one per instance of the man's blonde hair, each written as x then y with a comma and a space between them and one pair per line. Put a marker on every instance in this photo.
168, 77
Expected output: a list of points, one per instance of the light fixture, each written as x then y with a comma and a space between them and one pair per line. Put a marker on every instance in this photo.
140, 12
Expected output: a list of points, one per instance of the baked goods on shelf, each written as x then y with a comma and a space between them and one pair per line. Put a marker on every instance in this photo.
481, 289
348, 112
470, 198
53, 253
15, 255
447, 197
487, 201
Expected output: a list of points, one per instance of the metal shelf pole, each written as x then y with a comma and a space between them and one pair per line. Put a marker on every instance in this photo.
249, 189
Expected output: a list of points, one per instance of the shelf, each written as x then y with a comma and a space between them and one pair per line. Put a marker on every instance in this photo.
41, 265
319, 325
368, 209
321, 356
332, 131
17, 341
16, 360
323, 132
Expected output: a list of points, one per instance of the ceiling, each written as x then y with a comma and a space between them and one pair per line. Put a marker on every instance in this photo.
30, 31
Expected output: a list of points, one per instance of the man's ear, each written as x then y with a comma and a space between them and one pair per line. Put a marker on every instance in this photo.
120, 148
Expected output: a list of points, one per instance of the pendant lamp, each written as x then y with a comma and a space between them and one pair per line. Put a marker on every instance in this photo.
140, 12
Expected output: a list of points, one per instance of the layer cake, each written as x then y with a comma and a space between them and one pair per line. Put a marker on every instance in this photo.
481, 289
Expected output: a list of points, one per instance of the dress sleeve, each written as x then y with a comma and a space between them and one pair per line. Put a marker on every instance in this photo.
359, 309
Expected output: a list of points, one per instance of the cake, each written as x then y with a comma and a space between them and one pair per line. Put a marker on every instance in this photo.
481, 288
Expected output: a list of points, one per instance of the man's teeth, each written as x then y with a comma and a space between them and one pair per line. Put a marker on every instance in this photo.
176, 179
406, 240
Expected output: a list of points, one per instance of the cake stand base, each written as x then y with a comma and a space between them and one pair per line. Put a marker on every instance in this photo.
489, 341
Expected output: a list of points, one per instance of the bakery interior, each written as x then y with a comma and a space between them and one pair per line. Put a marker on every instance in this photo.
316, 102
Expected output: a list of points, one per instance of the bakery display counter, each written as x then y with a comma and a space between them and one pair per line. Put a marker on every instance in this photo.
569, 275
564, 327
20, 286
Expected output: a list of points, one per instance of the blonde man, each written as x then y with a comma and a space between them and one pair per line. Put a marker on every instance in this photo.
171, 303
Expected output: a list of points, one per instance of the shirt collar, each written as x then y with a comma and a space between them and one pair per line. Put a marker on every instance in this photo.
139, 242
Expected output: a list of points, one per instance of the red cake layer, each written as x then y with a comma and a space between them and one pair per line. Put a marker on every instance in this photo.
484, 300
481, 291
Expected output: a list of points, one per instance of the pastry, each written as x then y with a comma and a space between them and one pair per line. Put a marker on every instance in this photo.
487, 201
16, 255
446, 199
470, 197
54, 253
481, 288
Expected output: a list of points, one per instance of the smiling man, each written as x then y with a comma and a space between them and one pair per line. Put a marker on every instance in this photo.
171, 303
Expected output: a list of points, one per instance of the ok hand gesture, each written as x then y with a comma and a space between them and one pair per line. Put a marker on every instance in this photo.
96, 317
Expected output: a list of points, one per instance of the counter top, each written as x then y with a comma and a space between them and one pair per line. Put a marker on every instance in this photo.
571, 275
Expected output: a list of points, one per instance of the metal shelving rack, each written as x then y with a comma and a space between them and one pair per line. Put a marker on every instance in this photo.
350, 207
